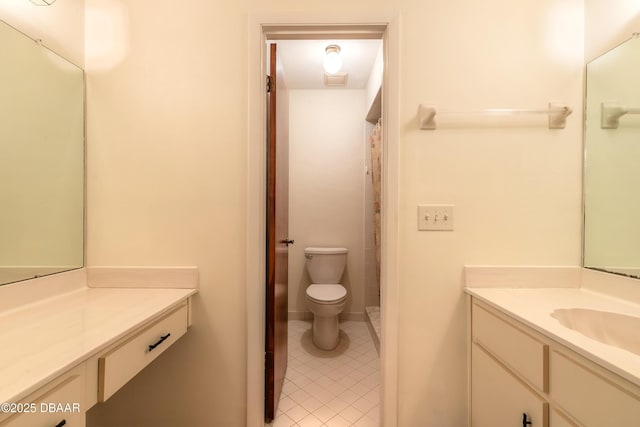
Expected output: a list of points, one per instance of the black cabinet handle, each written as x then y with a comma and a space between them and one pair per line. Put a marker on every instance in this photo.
160, 341
62, 423
525, 423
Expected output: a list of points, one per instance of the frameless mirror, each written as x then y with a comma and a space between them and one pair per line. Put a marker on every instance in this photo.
41, 160
612, 152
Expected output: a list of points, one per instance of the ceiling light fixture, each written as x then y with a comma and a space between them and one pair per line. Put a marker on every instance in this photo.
332, 61
42, 2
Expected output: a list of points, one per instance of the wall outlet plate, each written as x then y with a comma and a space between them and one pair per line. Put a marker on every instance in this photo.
435, 217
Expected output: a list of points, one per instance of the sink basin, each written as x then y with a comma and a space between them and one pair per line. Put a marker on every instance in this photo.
618, 330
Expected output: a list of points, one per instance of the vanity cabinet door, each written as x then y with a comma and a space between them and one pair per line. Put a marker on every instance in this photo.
62, 406
589, 396
559, 420
499, 398
518, 350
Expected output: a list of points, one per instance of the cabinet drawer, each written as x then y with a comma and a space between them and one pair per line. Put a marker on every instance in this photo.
589, 397
518, 350
60, 406
121, 364
499, 398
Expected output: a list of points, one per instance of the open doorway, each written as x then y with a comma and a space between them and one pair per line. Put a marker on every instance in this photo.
325, 142
257, 201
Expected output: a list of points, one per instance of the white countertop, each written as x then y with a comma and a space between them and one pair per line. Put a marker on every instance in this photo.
534, 306
45, 339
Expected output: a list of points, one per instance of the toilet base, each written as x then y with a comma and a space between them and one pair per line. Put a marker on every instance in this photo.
326, 332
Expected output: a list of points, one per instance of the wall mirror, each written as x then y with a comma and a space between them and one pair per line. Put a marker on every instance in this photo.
41, 160
612, 161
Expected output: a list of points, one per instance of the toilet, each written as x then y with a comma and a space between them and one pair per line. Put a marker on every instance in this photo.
326, 297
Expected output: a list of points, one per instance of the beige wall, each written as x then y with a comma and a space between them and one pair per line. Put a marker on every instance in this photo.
326, 186
167, 176
516, 190
166, 87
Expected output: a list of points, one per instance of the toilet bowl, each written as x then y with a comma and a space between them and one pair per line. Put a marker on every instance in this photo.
326, 297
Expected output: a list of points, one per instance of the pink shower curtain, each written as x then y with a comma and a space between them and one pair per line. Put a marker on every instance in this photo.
376, 172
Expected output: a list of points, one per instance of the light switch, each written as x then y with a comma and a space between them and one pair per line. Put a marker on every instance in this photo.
435, 217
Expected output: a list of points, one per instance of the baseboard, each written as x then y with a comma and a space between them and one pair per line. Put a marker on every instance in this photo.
307, 315
353, 316
300, 315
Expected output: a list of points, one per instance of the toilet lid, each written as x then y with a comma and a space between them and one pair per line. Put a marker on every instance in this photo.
326, 292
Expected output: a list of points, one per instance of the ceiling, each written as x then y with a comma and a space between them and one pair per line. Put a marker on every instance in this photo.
302, 61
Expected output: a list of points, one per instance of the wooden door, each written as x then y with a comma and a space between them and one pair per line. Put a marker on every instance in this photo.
277, 236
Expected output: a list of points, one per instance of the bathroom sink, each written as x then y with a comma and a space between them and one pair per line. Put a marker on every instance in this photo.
618, 330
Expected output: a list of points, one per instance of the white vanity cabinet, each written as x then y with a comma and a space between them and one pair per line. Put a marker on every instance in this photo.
516, 370
123, 361
592, 395
500, 398
509, 370
59, 403
123, 330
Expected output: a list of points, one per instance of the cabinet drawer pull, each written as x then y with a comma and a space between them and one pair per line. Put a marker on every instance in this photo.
525, 423
152, 346
61, 423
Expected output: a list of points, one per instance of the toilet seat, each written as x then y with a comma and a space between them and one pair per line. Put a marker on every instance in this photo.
326, 293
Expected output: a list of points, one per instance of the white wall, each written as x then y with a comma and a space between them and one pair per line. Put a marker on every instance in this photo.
167, 179
374, 82
326, 186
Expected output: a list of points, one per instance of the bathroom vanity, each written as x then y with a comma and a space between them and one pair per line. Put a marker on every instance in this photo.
69, 351
537, 358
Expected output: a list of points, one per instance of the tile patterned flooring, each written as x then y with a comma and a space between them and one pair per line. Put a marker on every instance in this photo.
337, 388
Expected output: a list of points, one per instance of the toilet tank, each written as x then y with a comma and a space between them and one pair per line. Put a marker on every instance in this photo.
325, 265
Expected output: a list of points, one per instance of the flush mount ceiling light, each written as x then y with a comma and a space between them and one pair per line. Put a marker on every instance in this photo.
332, 61
42, 2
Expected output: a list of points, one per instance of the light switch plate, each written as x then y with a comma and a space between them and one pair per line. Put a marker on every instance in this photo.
435, 217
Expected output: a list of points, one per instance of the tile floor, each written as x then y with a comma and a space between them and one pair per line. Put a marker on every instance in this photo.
336, 388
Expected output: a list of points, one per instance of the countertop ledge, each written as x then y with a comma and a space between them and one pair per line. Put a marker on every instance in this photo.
47, 338
533, 307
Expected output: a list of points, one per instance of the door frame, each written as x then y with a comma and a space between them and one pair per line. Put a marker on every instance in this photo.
260, 28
